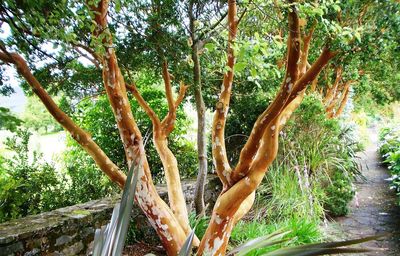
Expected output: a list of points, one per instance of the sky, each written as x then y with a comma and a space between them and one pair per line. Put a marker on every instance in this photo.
16, 101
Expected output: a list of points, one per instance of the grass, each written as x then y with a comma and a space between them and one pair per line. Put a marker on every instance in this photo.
200, 224
303, 231
286, 193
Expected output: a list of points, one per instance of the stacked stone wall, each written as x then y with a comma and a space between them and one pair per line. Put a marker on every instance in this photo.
70, 230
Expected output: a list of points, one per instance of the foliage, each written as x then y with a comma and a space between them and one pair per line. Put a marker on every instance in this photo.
312, 175
86, 182
8, 121
200, 222
390, 151
283, 195
303, 231
322, 151
96, 117
339, 194
29, 186
157, 31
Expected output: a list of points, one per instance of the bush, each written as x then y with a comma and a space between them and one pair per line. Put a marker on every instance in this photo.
389, 149
325, 151
29, 186
96, 117
339, 193
286, 193
312, 176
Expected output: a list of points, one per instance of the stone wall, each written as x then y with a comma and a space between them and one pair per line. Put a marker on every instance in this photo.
70, 230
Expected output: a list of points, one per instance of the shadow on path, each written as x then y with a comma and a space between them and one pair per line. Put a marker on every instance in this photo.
374, 210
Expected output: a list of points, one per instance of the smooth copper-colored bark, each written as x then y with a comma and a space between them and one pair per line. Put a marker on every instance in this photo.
255, 158
262, 145
161, 131
331, 91
220, 158
343, 100
248, 152
159, 214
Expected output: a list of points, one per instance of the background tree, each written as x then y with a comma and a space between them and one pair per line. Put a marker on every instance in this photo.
36, 116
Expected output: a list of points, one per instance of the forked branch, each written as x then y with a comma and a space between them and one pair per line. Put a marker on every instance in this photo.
168, 123
343, 100
142, 102
161, 130
248, 153
168, 226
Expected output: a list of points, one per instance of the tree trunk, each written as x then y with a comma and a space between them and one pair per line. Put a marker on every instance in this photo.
201, 133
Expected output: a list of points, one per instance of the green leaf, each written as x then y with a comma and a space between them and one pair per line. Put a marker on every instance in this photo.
336, 7
324, 248
253, 72
357, 35
117, 5
209, 46
260, 242
240, 66
110, 240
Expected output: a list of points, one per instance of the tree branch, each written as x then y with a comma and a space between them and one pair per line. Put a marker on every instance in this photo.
181, 95
90, 51
142, 102
313, 72
304, 51
294, 44
171, 230
78, 134
168, 88
249, 151
343, 102
93, 60
332, 90
168, 123
218, 128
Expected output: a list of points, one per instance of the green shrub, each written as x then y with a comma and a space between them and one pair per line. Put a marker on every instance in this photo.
286, 193
389, 141
87, 182
393, 160
390, 152
339, 193
28, 185
324, 152
96, 117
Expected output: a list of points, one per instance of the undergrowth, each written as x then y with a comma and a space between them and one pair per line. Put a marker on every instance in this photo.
303, 231
390, 152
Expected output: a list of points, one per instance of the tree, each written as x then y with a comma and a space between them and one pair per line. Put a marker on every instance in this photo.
96, 37
36, 116
334, 96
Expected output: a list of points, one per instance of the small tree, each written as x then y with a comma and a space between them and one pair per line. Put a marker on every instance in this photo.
240, 181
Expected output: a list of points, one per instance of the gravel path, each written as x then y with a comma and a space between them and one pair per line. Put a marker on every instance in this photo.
374, 209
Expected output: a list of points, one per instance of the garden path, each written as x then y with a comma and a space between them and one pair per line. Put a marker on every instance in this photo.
374, 210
